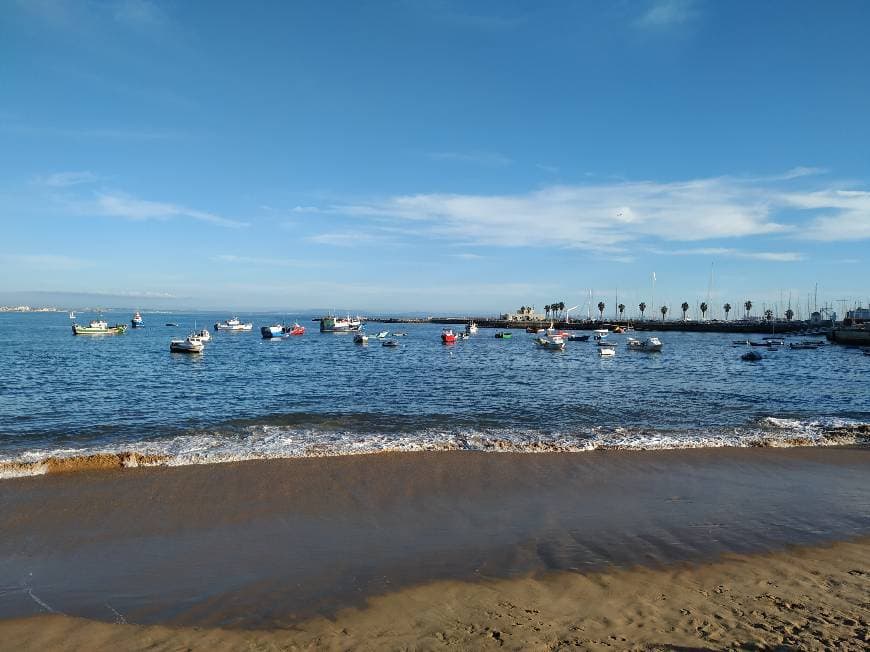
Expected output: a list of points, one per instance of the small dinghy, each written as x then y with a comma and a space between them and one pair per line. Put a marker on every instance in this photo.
578, 338
504, 335
390, 344
360, 338
382, 335
471, 328
607, 350
751, 356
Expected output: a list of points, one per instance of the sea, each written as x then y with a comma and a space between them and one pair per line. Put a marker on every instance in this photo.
67, 397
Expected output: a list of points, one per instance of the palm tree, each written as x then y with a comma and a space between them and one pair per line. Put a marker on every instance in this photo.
768, 314
621, 308
664, 310
601, 310
789, 314
641, 306
562, 308
704, 307
748, 306
685, 308
727, 308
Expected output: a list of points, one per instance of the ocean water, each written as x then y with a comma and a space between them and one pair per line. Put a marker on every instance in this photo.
63, 396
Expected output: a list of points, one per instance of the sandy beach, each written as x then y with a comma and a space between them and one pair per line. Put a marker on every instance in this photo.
707, 549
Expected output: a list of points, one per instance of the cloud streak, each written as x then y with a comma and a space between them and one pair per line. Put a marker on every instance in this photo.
612, 216
132, 208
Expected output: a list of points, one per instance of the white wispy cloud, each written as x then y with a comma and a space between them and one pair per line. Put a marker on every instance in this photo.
493, 159
260, 261
45, 262
355, 238
611, 216
772, 256
66, 179
132, 208
666, 13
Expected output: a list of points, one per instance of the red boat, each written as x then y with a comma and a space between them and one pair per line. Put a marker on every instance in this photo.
448, 336
296, 329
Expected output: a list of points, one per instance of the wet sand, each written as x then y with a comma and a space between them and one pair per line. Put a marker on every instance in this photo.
807, 598
309, 547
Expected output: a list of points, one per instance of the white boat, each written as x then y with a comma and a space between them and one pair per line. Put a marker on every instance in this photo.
137, 321
382, 335
650, 344
360, 338
554, 342
471, 328
233, 325
608, 350
72, 314
190, 344
203, 335
332, 324
601, 333
98, 327
268, 332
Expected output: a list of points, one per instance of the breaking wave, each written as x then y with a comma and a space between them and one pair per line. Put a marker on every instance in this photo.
266, 441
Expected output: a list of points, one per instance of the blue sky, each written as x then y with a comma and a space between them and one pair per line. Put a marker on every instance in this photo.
434, 155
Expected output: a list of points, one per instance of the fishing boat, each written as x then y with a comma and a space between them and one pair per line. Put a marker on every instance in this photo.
233, 325
137, 321
98, 327
504, 335
390, 344
190, 344
471, 328
360, 338
751, 356
295, 329
448, 336
578, 338
553, 343
269, 332
650, 344
332, 324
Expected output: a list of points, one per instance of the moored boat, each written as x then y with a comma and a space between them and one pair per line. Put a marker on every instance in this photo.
295, 329
98, 327
233, 325
382, 335
553, 342
504, 335
203, 334
360, 338
601, 333
448, 336
751, 356
269, 332
190, 344
137, 321
607, 350
471, 328
391, 344
578, 338
650, 344
332, 324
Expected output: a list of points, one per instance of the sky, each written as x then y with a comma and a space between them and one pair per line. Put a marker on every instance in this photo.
433, 156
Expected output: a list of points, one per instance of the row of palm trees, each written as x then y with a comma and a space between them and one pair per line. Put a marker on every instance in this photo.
558, 310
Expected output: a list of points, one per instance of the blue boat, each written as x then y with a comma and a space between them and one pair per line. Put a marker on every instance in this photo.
137, 320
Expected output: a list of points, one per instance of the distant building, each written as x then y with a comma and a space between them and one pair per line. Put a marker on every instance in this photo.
859, 315
526, 313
